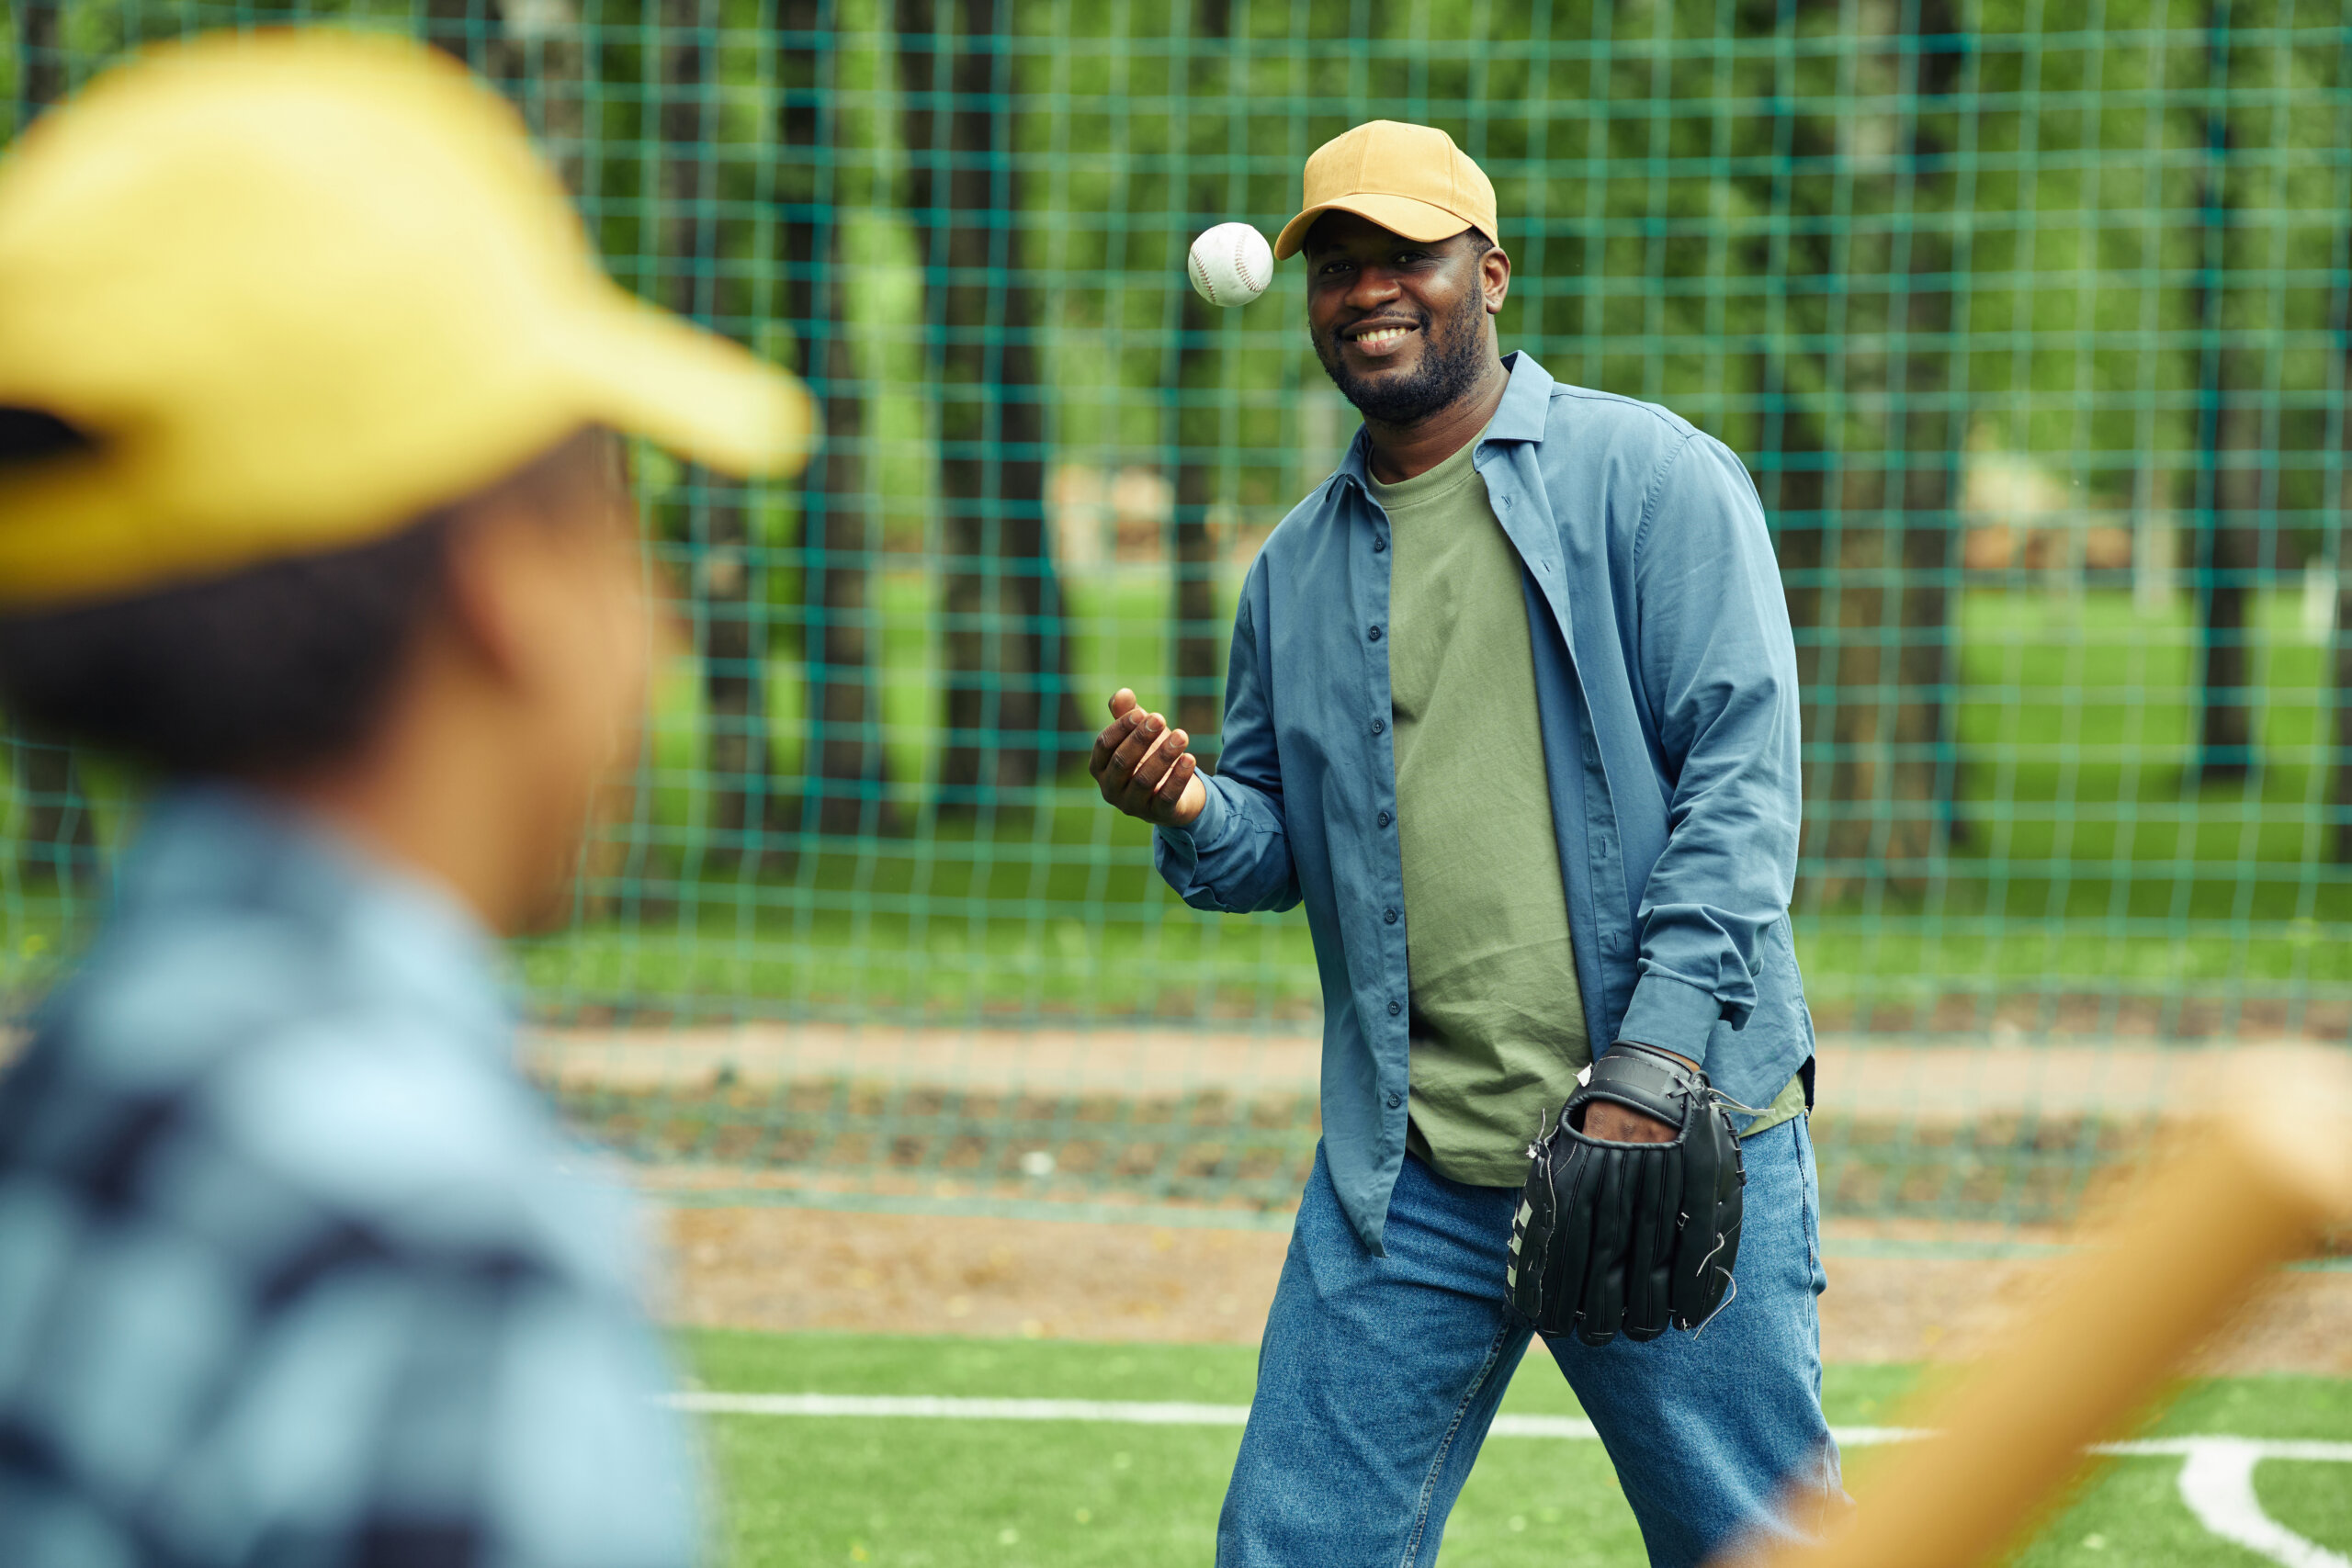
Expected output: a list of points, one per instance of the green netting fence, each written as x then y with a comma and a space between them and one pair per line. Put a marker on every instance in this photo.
2029, 317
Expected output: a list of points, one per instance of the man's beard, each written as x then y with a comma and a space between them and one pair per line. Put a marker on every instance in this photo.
1451, 362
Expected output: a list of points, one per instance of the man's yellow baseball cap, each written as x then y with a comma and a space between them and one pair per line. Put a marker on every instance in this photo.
299, 289
1410, 179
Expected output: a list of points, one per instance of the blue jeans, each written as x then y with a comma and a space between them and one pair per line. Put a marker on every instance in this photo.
1379, 1377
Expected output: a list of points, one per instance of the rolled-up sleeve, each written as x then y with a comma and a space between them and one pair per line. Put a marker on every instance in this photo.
1234, 859
1718, 671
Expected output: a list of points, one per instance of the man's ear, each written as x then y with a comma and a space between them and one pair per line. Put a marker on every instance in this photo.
1494, 276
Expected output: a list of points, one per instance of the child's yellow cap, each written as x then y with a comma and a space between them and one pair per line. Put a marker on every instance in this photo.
300, 288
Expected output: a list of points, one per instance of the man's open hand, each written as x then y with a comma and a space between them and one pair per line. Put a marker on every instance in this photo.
1142, 768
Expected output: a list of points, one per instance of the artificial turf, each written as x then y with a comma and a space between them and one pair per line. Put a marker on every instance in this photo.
964, 1493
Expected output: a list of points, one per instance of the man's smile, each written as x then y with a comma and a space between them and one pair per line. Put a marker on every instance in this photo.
1379, 339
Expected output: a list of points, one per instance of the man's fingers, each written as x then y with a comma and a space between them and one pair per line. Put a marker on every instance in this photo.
1143, 731
1179, 761
1107, 743
1154, 764
1139, 761
1172, 788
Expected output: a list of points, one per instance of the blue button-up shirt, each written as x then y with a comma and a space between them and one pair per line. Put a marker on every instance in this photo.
1665, 685
290, 1270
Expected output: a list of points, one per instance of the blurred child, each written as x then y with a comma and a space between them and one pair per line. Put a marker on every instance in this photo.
310, 503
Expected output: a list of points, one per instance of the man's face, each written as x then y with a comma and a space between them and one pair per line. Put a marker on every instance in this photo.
1400, 326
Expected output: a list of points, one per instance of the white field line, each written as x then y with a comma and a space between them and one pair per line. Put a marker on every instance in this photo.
1575, 1428
2261, 1447
924, 1408
2216, 1472
2217, 1482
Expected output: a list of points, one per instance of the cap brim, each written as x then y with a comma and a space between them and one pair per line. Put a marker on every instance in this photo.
710, 400
1397, 214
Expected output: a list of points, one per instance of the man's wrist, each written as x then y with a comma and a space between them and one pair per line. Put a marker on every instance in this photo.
1207, 824
1661, 1051
1196, 796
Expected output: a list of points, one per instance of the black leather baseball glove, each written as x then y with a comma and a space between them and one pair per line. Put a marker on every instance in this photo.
1630, 1237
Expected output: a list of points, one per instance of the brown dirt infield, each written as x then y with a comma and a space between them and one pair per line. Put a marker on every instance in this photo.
774, 1268
1861, 1079
788, 1268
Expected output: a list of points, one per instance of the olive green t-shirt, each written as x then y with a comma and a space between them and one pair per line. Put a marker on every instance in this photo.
1498, 1022
1498, 1019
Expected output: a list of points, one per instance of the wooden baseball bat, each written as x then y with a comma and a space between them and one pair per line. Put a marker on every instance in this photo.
2256, 1186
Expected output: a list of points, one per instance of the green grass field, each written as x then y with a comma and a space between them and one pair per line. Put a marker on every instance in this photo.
967, 1493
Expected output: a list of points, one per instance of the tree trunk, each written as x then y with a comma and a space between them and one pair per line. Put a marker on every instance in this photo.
2339, 793
1009, 701
1931, 418
2229, 550
547, 50
40, 58
730, 603
844, 792
1869, 551
473, 31
536, 52
1793, 488
2224, 509
1791, 457
1197, 428
54, 837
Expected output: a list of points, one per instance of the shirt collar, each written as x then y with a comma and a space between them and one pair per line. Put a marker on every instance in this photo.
1526, 405
1527, 401
216, 847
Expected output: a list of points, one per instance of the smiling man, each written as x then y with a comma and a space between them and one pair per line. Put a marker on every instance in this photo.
1513, 709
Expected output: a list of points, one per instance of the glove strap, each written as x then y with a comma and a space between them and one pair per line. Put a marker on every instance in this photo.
1718, 1096
1648, 1080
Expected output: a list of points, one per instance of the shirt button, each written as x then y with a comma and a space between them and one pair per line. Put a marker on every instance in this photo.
1395, 1007
1388, 915
1379, 725
1373, 634
1384, 819
1378, 544
1395, 1100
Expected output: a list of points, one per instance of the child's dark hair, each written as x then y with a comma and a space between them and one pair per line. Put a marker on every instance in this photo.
276, 665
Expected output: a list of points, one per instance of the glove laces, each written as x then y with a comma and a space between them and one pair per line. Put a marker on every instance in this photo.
1720, 1098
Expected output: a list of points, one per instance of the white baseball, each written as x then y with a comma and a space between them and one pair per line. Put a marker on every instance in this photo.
1231, 265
